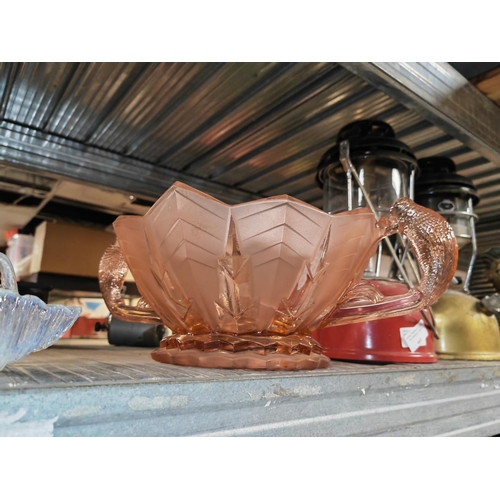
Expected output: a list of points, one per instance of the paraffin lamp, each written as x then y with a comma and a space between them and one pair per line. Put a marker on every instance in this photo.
466, 326
381, 170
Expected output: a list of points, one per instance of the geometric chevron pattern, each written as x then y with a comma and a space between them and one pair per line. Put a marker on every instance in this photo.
273, 266
244, 286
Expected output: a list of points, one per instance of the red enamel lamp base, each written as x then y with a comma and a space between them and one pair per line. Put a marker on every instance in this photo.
379, 340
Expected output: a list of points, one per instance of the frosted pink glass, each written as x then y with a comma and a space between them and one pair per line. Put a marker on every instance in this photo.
268, 269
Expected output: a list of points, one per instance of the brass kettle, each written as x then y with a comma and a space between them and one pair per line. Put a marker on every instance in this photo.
467, 328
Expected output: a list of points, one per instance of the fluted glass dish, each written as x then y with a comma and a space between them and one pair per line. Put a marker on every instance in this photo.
27, 324
243, 286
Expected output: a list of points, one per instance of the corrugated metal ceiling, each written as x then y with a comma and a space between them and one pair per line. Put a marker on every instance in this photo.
256, 128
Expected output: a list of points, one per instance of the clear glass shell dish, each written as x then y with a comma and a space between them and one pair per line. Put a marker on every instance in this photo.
27, 324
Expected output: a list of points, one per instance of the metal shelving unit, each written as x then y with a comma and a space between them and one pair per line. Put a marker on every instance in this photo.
238, 132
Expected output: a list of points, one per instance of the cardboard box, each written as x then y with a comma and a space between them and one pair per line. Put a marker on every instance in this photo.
68, 249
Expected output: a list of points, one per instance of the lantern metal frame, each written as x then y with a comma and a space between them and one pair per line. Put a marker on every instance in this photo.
351, 173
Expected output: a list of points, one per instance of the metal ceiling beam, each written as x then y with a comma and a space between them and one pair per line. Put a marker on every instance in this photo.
442, 96
65, 158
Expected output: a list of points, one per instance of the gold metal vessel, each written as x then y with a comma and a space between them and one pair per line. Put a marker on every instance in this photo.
465, 330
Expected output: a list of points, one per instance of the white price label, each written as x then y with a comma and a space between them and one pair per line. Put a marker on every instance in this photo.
414, 337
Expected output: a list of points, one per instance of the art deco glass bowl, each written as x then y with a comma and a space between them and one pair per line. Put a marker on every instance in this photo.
243, 286
27, 324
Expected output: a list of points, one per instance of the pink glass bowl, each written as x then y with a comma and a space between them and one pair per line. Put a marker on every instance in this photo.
243, 286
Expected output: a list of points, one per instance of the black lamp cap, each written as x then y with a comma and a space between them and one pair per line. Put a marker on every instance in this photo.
438, 176
367, 138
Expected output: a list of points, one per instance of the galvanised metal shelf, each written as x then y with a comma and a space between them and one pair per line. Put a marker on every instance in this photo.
89, 388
